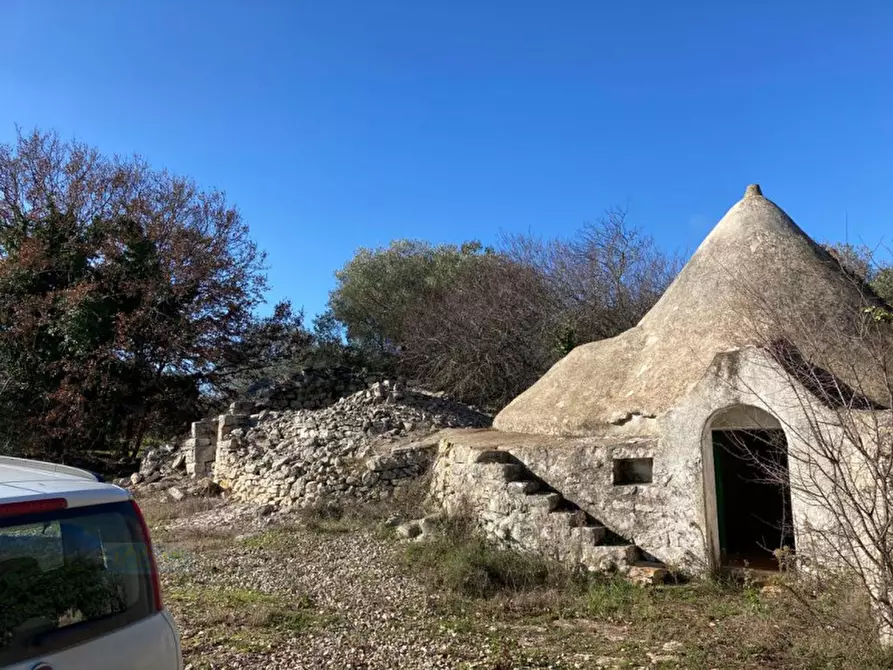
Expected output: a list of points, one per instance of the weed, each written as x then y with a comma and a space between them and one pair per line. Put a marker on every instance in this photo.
616, 599
245, 619
463, 563
158, 511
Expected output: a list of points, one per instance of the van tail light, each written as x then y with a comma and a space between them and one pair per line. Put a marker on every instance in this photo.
156, 584
32, 506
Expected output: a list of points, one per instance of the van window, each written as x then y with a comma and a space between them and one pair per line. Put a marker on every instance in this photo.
69, 576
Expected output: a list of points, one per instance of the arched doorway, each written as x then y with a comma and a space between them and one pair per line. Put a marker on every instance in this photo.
751, 498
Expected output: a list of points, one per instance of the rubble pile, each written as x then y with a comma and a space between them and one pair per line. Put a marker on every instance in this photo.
362, 447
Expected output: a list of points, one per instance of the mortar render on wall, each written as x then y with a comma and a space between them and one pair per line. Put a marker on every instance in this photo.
673, 518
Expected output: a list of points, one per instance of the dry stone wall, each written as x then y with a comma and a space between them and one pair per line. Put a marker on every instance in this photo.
362, 448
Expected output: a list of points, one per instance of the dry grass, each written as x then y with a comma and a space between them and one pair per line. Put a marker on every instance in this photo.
159, 511
159, 514
533, 613
459, 561
548, 610
239, 618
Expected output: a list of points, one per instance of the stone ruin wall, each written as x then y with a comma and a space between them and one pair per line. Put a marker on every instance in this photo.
317, 477
363, 448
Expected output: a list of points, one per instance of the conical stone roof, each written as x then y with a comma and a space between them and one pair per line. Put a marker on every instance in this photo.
756, 273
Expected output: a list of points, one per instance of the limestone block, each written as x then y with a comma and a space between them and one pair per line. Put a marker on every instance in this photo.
206, 428
647, 575
198, 469
609, 557
227, 423
225, 446
547, 501
589, 534
242, 407
203, 454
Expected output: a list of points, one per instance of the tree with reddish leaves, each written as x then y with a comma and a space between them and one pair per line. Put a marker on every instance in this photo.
126, 294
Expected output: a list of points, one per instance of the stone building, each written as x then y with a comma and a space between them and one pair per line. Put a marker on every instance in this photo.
623, 449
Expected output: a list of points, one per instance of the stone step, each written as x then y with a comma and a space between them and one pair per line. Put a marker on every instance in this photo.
523, 487
587, 532
550, 501
494, 456
590, 534
646, 573
567, 517
509, 472
606, 557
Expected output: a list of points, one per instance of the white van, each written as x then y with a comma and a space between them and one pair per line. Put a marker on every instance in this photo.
78, 584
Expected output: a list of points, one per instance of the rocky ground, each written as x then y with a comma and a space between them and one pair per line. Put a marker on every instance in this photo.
345, 598
254, 589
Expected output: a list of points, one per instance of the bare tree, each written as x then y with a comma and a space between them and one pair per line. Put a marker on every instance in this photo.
832, 390
490, 336
605, 278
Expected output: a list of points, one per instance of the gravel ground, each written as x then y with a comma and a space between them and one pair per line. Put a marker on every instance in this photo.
370, 612
254, 590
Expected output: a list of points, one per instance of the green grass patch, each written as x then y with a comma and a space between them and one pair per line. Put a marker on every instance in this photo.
479, 589
465, 564
255, 616
616, 599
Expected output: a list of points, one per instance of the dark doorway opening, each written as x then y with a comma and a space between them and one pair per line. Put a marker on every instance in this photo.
753, 498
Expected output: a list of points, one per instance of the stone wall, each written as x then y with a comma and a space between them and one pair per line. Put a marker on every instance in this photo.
316, 475
400, 463
362, 448
201, 447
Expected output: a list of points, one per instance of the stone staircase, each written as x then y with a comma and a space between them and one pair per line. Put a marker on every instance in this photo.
523, 512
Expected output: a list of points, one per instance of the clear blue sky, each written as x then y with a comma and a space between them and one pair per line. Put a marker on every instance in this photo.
337, 124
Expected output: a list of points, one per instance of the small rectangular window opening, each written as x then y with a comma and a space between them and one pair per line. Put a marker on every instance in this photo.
632, 471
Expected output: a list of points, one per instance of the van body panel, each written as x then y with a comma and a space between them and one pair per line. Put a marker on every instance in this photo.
149, 644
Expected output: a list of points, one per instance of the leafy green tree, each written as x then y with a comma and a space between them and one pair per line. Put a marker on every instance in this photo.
381, 291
